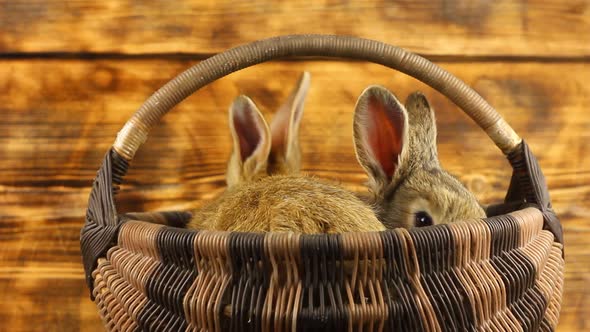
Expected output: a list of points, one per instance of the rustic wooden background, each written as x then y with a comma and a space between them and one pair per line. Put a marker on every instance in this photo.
72, 72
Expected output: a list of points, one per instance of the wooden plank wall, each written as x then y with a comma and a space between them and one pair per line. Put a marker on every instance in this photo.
72, 72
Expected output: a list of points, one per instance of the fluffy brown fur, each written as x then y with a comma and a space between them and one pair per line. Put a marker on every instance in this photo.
287, 203
407, 179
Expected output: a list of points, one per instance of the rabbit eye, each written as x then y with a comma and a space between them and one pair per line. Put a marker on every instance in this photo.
422, 219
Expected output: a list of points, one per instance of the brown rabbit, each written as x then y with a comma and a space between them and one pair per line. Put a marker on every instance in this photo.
257, 150
397, 149
253, 157
254, 202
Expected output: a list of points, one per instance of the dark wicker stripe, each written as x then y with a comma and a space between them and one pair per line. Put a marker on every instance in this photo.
155, 317
102, 224
440, 282
545, 326
465, 320
322, 307
530, 309
169, 282
532, 303
250, 280
176, 246
403, 312
533, 299
505, 233
518, 274
428, 264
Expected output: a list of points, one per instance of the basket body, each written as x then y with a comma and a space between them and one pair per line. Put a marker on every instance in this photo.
502, 273
465, 276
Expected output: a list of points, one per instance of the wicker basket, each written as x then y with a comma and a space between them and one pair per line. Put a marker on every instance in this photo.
501, 273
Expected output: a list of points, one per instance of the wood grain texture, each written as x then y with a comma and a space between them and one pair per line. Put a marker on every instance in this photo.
537, 28
59, 117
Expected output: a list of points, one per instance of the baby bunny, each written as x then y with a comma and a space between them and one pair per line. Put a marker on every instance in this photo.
397, 149
256, 202
253, 157
257, 150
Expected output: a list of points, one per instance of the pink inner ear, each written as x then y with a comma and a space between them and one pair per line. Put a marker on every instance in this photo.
385, 124
248, 133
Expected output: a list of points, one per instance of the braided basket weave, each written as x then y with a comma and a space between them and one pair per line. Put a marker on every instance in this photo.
501, 273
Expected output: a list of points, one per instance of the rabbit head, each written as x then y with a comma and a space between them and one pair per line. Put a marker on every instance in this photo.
260, 150
396, 146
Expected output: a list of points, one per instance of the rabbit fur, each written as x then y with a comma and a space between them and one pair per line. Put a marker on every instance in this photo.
396, 146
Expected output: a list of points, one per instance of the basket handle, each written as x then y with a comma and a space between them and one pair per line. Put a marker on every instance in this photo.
135, 131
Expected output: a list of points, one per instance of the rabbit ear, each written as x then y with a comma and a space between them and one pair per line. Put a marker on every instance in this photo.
251, 142
380, 136
285, 154
422, 133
